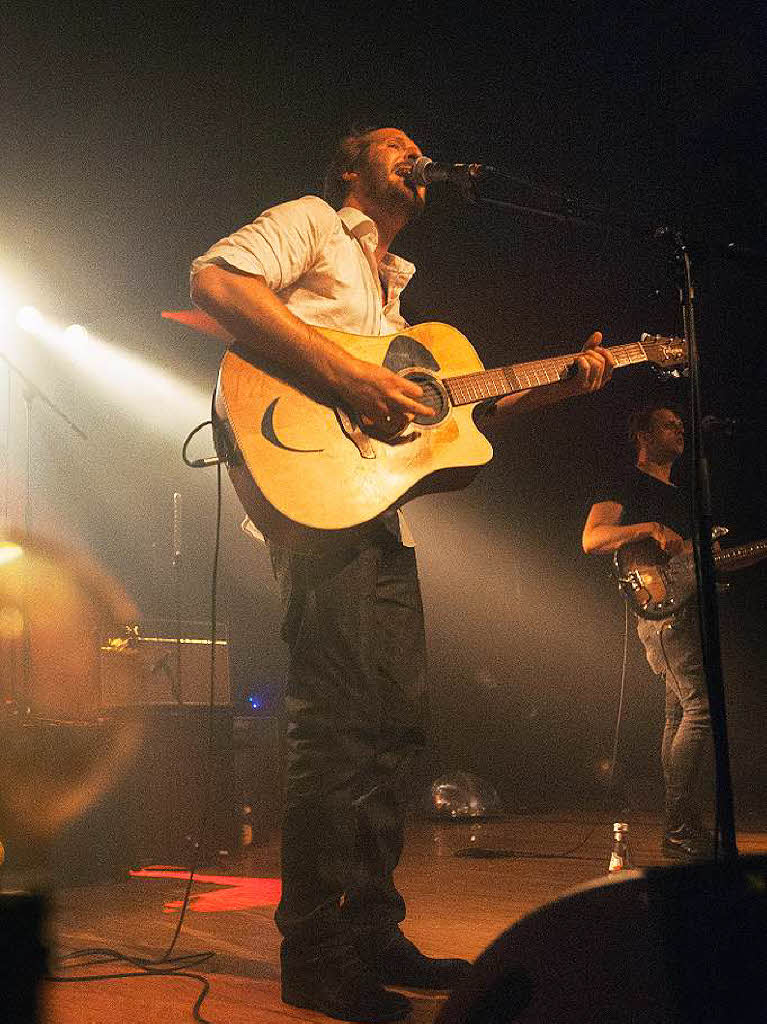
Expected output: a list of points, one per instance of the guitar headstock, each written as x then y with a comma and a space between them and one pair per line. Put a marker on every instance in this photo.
665, 353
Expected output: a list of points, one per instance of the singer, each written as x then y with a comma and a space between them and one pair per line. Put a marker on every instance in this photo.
353, 619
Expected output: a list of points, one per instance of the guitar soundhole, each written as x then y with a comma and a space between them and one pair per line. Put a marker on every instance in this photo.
434, 395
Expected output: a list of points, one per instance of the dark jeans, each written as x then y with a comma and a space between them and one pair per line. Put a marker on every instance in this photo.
673, 652
355, 709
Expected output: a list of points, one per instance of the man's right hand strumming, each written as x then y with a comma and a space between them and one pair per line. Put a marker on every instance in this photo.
668, 540
379, 396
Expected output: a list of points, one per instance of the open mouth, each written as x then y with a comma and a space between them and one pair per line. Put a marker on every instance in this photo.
403, 172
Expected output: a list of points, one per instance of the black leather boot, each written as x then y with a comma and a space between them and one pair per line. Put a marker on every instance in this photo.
340, 985
400, 962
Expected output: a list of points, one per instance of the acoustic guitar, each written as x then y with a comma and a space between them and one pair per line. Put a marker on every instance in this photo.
303, 467
656, 586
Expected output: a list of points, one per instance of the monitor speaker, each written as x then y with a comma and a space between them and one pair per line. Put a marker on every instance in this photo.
677, 945
141, 671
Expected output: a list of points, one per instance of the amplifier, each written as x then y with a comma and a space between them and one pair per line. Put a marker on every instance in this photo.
137, 671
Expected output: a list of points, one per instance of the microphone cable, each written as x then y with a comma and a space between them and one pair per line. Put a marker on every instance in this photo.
215, 460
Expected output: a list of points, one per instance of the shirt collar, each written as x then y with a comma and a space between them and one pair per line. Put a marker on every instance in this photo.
357, 224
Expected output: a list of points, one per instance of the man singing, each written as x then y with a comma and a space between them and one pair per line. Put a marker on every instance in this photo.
353, 617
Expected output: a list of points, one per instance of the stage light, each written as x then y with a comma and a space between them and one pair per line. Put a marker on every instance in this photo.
29, 319
75, 333
137, 386
9, 552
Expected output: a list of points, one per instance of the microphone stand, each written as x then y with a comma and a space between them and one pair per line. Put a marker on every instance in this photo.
177, 680
571, 212
708, 604
30, 391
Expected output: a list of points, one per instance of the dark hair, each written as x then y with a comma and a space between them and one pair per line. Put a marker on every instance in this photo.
640, 420
346, 157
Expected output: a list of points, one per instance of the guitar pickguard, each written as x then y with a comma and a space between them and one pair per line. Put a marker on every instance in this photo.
404, 352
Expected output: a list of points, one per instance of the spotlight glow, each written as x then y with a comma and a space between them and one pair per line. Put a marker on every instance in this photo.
138, 387
30, 319
5, 305
76, 332
9, 552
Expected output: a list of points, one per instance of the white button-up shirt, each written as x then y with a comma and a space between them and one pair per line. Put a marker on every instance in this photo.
321, 264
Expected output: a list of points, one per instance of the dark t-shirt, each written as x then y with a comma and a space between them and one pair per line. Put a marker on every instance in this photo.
645, 499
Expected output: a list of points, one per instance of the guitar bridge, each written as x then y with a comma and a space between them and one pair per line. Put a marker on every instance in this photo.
356, 435
636, 583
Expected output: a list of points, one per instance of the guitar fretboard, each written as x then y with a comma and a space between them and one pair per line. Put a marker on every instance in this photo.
507, 380
741, 553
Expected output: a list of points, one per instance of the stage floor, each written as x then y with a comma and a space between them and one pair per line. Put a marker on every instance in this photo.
457, 905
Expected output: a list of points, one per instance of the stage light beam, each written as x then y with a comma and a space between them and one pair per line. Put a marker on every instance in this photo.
30, 319
140, 388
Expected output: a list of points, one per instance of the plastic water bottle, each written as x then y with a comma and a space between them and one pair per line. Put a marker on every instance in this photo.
620, 858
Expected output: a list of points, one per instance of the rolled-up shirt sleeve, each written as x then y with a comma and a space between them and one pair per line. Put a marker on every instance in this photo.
280, 245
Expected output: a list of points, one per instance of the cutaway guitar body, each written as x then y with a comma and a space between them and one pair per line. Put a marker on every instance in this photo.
302, 467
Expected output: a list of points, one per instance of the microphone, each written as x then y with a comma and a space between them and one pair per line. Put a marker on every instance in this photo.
426, 172
721, 425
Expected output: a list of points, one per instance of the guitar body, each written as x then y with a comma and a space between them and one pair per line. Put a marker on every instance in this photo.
654, 585
304, 470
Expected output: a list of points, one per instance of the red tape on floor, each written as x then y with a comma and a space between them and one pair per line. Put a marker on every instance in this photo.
236, 892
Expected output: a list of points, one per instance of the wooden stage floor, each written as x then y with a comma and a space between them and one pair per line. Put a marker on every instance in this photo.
456, 906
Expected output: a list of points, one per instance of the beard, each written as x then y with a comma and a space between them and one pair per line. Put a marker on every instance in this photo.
397, 195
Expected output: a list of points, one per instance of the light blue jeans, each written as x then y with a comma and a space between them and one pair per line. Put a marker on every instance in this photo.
673, 652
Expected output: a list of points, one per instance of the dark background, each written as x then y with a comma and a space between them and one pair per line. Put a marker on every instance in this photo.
133, 138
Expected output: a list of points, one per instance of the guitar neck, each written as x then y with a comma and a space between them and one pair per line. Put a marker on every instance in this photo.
508, 380
743, 553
